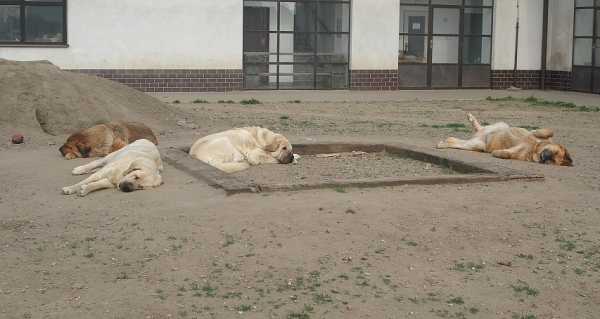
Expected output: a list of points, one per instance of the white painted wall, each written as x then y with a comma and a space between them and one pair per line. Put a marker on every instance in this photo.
560, 34
140, 34
530, 34
375, 28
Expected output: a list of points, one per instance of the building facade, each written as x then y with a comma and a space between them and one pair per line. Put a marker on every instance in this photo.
232, 45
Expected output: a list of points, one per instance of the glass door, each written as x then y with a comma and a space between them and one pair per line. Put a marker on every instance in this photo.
586, 47
444, 46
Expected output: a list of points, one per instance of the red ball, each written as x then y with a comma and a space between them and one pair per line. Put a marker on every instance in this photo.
17, 139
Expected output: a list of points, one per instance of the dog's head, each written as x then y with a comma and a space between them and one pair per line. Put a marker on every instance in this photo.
75, 146
278, 146
141, 174
554, 154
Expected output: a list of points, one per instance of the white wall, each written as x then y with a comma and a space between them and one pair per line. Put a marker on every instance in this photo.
560, 32
530, 14
140, 34
375, 29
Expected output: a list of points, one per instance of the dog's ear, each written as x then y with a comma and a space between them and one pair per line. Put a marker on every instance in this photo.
273, 146
134, 166
84, 148
567, 161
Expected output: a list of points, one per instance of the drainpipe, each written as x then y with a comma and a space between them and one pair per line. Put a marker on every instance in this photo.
516, 47
544, 45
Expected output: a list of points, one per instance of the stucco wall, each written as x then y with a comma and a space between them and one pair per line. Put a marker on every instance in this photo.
375, 29
139, 34
530, 14
560, 35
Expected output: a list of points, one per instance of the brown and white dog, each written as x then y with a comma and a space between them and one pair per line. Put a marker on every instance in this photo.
135, 166
102, 139
517, 143
235, 150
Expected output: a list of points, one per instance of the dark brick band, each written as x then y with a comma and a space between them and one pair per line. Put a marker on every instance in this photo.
524, 79
374, 80
173, 80
558, 80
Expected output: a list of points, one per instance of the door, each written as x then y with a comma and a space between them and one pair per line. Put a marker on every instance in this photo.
256, 45
586, 49
444, 45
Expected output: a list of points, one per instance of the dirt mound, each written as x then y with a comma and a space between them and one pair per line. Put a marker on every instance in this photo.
38, 96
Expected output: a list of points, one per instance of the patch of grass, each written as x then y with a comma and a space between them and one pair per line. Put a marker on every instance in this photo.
454, 125
161, 294
294, 101
322, 298
226, 101
122, 276
199, 101
299, 315
250, 101
284, 117
350, 211
229, 240
529, 291
176, 102
243, 307
528, 257
340, 189
457, 301
508, 98
88, 255
209, 290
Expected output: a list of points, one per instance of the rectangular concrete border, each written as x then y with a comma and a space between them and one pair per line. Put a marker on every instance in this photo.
471, 172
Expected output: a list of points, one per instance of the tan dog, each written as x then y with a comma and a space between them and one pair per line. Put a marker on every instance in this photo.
235, 150
503, 141
135, 166
102, 139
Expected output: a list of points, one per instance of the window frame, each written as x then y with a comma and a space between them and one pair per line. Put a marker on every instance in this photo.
23, 4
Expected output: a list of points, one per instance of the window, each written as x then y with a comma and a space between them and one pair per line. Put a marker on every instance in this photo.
296, 44
39, 22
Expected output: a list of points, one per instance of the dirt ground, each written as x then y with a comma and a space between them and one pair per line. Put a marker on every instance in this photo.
186, 250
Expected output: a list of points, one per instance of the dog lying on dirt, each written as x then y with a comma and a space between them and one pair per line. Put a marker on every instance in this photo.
102, 139
135, 166
235, 150
507, 142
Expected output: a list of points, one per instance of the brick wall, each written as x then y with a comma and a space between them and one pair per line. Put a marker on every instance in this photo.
525, 79
373, 80
172, 80
558, 80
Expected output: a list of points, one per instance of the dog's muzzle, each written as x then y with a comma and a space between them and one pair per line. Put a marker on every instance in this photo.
287, 159
546, 156
126, 187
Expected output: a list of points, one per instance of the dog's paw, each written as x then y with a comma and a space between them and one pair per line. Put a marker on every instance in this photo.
296, 158
83, 191
68, 190
471, 118
79, 170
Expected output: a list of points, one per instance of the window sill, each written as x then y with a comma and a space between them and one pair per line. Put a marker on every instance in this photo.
32, 45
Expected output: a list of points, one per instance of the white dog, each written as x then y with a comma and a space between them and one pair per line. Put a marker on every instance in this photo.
235, 150
135, 166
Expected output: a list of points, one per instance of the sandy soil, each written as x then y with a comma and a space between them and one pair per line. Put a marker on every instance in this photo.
186, 250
